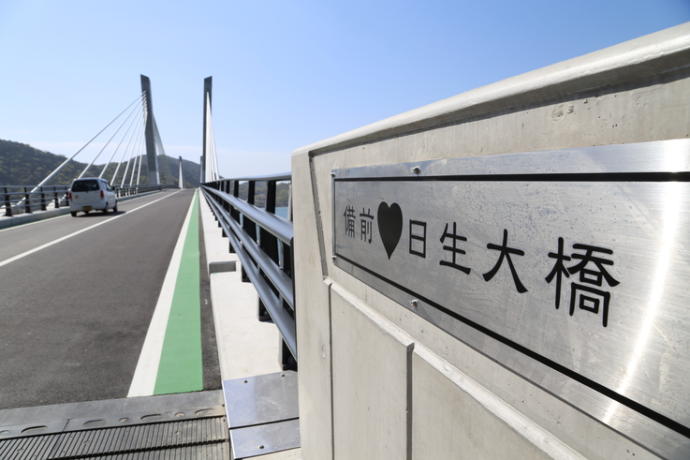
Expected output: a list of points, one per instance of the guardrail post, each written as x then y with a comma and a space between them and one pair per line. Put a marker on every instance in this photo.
66, 196
43, 200
268, 242
248, 225
226, 185
236, 194
219, 186
8, 204
233, 213
27, 201
223, 186
286, 359
289, 362
55, 197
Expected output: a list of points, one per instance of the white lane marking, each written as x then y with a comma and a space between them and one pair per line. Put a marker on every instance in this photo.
53, 219
63, 238
144, 379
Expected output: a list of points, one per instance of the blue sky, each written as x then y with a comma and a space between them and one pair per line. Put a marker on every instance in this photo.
286, 73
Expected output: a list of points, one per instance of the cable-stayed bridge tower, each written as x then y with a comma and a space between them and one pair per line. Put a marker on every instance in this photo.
180, 182
209, 160
151, 157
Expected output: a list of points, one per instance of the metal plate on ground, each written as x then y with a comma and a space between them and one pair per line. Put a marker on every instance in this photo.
137, 418
221, 266
30, 421
195, 438
264, 439
570, 267
261, 399
189, 425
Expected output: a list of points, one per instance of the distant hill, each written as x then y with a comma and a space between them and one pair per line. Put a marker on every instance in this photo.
21, 164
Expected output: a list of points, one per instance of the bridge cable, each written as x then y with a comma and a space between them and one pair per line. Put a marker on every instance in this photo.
210, 163
139, 168
140, 154
208, 157
123, 155
124, 152
144, 116
137, 160
215, 159
129, 160
122, 140
132, 156
160, 150
215, 152
124, 121
56, 170
106, 145
157, 137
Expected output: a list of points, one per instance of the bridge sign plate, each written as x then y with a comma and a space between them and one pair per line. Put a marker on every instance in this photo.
572, 263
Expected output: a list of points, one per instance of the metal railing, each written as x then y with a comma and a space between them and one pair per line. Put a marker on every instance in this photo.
128, 190
19, 199
263, 242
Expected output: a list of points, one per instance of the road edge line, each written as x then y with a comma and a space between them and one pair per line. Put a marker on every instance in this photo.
146, 372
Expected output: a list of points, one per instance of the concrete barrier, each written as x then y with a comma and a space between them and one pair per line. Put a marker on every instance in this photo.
376, 380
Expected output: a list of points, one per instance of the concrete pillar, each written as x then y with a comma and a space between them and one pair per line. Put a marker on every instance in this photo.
377, 379
151, 157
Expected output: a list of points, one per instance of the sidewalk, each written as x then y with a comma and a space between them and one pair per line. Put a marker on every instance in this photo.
246, 346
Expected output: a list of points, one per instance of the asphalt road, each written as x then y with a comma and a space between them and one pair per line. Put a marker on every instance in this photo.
74, 315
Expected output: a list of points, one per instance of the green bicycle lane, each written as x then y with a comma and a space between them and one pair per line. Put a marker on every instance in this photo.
181, 362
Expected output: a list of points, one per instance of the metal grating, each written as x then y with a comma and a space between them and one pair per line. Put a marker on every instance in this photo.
205, 452
33, 447
197, 438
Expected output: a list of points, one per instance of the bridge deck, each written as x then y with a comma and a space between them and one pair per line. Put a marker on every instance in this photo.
76, 311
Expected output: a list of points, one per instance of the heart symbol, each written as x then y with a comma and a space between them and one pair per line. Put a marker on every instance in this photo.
390, 221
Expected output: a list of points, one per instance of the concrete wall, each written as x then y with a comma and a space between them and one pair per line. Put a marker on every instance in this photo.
377, 381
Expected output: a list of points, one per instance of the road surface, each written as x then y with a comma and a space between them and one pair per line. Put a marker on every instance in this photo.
74, 312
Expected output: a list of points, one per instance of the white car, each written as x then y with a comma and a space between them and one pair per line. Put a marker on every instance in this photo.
91, 193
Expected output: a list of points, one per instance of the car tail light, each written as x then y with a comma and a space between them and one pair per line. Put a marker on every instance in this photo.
102, 194
69, 196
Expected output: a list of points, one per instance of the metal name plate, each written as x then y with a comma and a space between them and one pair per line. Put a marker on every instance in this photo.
565, 266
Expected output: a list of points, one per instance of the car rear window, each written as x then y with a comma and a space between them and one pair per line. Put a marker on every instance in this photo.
85, 186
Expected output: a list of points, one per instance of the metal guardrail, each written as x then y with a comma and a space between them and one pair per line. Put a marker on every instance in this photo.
19, 199
263, 241
137, 189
